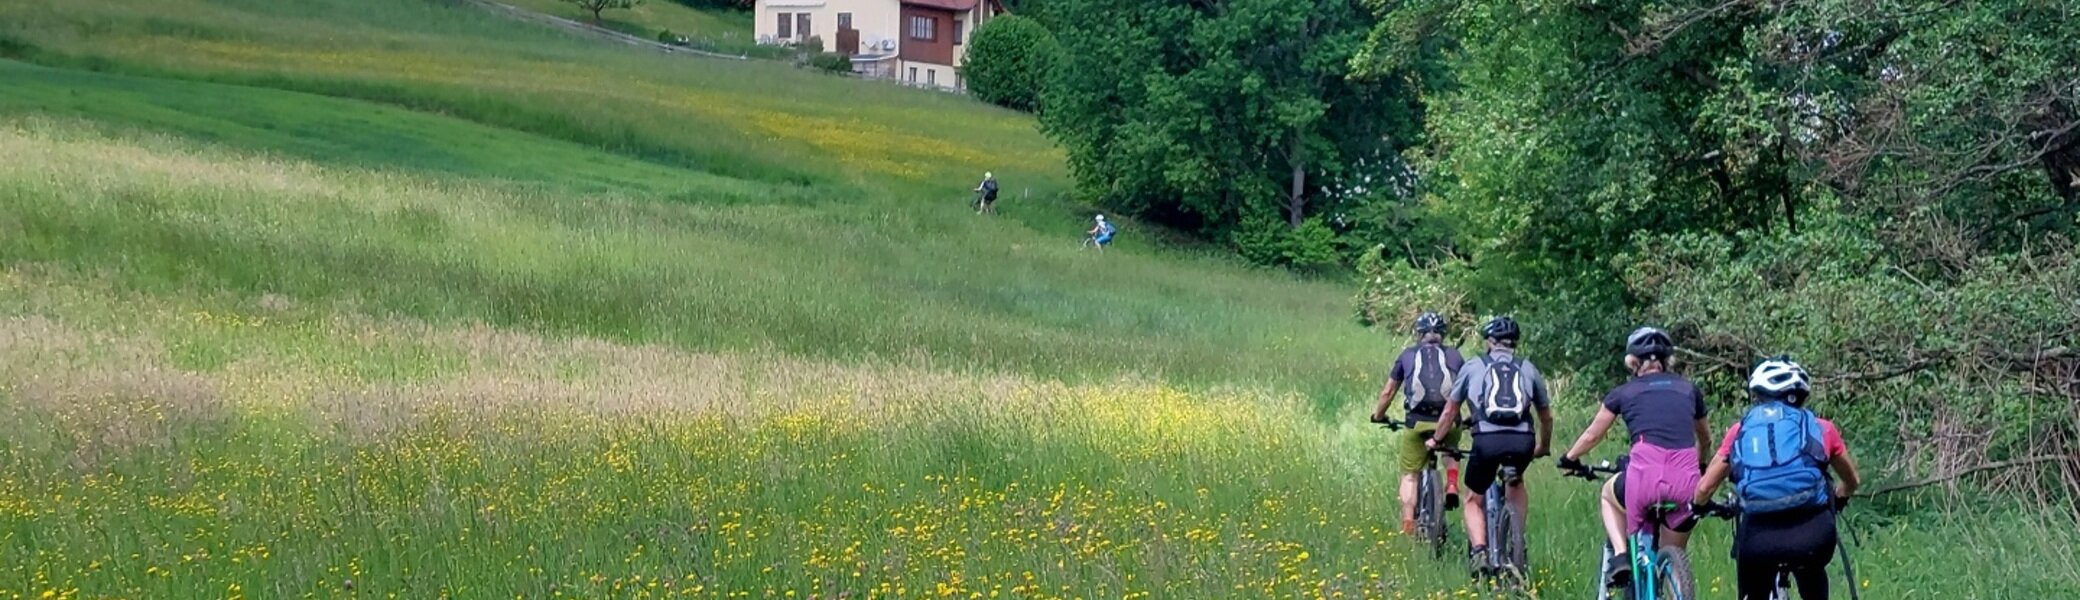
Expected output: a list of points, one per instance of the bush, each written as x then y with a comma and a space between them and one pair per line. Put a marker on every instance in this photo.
833, 62
813, 45
1271, 242
668, 37
1009, 61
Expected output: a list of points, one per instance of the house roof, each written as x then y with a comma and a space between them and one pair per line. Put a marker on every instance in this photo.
944, 4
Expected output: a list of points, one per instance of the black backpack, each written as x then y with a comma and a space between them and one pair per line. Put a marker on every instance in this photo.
1508, 394
989, 189
1426, 385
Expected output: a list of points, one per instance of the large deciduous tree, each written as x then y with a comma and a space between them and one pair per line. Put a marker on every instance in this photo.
1010, 61
1226, 115
599, 6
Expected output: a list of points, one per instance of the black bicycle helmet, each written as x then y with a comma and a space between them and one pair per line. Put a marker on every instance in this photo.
1649, 342
1501, 328
1429, 322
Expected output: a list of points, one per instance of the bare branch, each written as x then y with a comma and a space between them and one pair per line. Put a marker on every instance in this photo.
2006, 464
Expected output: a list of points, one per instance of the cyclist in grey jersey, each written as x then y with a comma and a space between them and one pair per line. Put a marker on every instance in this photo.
1496, 445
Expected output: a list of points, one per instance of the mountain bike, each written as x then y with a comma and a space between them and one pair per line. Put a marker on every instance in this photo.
1781, 590
1430, 500
1507, 557
1667, 570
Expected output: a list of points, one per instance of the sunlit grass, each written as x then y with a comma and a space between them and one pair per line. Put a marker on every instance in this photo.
329, 298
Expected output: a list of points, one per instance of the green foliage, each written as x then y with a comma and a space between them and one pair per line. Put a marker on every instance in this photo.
1009, 62
1268, 241
1204, 117
1391, 292
832, 62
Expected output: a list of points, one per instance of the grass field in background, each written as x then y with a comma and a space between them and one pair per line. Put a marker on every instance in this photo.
391, 298
721, 30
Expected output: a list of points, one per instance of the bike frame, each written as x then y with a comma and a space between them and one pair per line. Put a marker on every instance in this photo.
1643, 547
1430, 490
1646, 549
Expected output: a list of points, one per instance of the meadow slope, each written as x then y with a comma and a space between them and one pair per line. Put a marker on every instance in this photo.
393, 298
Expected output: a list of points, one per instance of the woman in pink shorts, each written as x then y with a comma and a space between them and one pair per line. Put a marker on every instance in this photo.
1664, 417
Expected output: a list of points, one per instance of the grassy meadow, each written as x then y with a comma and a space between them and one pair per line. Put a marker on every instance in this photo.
399, 299
712, 29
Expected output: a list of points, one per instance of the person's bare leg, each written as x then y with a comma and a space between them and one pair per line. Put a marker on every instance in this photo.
1408, 497
1613, 516
1475, 521
1671, 538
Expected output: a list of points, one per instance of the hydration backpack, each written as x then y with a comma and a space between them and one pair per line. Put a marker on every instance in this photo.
989, 189
1426, 385
1105, 228
1777, 458
1508, 394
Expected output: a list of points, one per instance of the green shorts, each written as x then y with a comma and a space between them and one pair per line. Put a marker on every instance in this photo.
1414, 456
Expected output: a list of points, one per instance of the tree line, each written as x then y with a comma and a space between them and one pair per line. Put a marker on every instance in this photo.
1886, 189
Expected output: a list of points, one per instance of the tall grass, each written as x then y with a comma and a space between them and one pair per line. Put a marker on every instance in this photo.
386, 297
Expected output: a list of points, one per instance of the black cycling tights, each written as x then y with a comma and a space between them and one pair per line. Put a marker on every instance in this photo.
1758, 580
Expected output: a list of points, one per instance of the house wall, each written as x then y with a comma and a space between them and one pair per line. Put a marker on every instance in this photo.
876, 20
938, 50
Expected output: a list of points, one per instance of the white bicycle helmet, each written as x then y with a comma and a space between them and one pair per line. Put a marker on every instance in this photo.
1778, 377
1101, 217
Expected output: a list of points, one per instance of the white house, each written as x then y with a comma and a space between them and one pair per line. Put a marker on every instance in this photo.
921, 42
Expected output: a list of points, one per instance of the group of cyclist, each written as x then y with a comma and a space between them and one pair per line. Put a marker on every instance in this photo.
1099, 236
1791, 470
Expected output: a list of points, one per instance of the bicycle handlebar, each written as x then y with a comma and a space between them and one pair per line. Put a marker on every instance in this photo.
1588, 472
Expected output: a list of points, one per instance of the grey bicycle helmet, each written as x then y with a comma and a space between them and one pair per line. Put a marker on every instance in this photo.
1430, 322
1649, 342
1501, 328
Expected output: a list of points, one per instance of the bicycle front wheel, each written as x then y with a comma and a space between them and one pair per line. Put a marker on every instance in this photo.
1430, 513
1673, 576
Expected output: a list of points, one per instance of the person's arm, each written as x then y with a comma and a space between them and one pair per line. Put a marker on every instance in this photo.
1713, 476
1386, 398
1704, 427
1544, 402
1545, 432
1592, 436
1847, 479
1445, 423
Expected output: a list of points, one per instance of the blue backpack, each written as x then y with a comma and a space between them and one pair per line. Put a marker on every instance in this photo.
1778, 458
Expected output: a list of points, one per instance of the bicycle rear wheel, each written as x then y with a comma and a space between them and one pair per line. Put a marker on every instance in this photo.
1673, 576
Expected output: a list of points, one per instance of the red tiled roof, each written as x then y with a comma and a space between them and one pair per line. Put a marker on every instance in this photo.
944, 4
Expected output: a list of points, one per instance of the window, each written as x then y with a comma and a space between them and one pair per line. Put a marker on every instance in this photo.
801, 25
931, 76
844, 20
924, 28
786, 28
956, 32
913, 74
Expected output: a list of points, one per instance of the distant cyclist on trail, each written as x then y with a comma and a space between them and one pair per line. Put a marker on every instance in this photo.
1101, 233
1779, 456
1428, 370
986, 194
1503, 389
1664, 418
